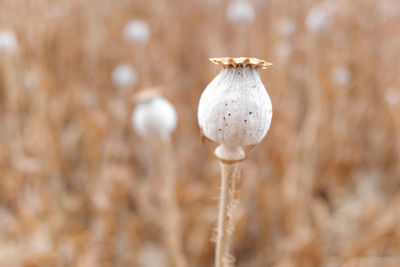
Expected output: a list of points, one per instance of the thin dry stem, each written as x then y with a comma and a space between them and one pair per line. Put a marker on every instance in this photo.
227, 204
172, 216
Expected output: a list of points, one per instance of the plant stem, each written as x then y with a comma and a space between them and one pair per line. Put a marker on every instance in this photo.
172, 215
227, 203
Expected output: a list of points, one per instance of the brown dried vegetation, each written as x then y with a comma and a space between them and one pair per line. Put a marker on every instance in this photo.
79, 188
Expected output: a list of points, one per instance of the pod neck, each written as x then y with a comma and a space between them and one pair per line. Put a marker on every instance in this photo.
230, 155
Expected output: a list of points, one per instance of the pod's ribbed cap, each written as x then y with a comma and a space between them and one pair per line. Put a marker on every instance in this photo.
241, 61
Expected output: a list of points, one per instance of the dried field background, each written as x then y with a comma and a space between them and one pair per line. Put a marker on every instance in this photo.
79, 188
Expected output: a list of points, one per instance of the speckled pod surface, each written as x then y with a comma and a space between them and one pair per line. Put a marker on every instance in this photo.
235, 109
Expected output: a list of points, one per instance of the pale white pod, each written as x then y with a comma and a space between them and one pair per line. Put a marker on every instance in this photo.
154, 117
150, 255
319, 19
235, 110
389, 9
137, 32
31, 80
124, 76
240, 12
392, 96
341, 76
8, 41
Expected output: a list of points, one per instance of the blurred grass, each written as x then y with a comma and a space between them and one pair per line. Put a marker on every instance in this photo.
79, 188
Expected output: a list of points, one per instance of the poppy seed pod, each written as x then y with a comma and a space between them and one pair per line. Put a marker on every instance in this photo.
124, 76
154, 116
235, 109
8, 41
392, 96
137, 32
320, 18
240, 12
341, 76
31, 80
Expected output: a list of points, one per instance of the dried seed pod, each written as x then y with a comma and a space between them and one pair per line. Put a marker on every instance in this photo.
137, 32
341, 75
154, 116
392, 96
235, 109
124, 76
240, 12
31, 80
320, 17
8, 41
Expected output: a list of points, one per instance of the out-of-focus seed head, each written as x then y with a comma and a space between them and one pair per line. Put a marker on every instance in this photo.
150, 255
235, 109
341, 76
154, 116
8, 41
319, 19
240, 12
137, 32
392, 96
389, 9
286, 27
124, 76
31, 80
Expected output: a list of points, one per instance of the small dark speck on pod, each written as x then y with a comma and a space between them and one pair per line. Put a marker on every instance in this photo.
226, 104
224, 118
250, 112
229, 114
245, 120
219, 129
